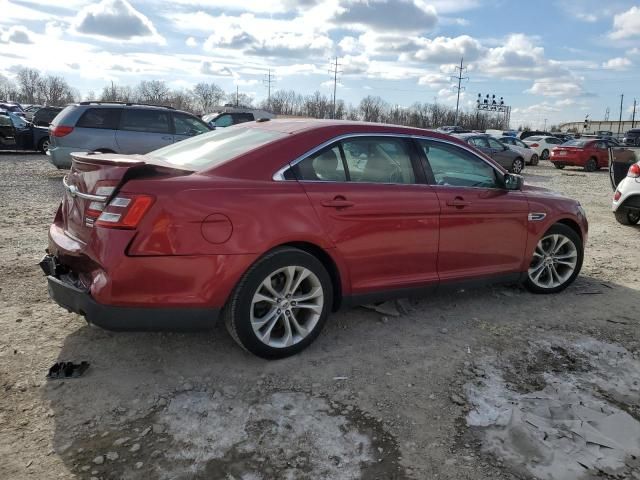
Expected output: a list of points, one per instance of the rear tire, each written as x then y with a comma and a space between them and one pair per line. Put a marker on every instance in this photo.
556, 261
591, 165
265, 313
518, 165
558, 166
43, 146
624, 216
534, 160
545, 154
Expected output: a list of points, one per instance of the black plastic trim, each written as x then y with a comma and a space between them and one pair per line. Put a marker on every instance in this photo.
118, 318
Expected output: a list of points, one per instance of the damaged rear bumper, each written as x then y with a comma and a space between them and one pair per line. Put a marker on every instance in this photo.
74, 299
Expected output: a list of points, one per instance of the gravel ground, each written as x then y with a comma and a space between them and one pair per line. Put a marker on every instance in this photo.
376, 396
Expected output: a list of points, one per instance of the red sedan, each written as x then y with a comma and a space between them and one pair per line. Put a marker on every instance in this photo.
588, 154
272, 225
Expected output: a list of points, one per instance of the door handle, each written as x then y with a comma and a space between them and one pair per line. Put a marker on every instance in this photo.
458, 202
338, 202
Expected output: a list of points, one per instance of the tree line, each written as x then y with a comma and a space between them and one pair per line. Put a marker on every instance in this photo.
30, 86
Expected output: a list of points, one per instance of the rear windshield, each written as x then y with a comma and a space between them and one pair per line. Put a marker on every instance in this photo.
534, 139
58, 118
576, 143
214, 148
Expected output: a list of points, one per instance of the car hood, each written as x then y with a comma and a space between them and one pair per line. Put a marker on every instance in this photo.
541, 192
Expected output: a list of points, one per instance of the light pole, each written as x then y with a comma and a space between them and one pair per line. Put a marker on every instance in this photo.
545, 125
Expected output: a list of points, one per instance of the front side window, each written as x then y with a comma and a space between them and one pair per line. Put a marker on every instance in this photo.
454, 166
323, 166
100, 118
223, 121
519, 143
187, 125
5, 121
145, 120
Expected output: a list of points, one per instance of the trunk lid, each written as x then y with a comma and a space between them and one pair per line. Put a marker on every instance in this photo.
93, 181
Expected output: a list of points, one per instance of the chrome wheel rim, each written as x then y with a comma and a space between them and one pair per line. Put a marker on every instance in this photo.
554, 261
634, 217
517, 166
286, 306
45, 146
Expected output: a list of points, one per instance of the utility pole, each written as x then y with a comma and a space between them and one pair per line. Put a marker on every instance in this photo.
268, 80
459, 88
606, 115
633, 116
620, 121
545, 125
335, 71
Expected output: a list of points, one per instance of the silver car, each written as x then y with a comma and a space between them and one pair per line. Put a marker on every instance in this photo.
117, 128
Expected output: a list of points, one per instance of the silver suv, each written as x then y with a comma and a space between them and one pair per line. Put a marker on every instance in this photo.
126, 128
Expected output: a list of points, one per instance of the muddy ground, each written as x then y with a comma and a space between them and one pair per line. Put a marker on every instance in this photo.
483, 384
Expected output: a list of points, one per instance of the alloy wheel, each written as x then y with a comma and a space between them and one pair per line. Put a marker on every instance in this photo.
517, 165
286, 306
554, 261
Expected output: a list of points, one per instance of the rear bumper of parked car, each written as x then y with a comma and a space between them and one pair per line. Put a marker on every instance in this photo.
629, 189
60, 157
567, 160
117, 291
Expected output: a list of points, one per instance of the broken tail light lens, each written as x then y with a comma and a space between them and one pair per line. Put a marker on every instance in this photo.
125, 211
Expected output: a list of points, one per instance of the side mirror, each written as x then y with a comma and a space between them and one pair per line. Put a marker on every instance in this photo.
513, 181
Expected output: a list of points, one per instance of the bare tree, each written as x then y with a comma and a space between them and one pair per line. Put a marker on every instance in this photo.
8, 89
207, 96
28, 84
55, 90
153, 91
116, 93
372, 109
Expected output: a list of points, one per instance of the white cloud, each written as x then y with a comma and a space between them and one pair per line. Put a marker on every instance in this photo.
618, 63
191, 42
209, 68
434, 79
555, 87
17, 34
118, 21
385, 15
444, 49
626, 24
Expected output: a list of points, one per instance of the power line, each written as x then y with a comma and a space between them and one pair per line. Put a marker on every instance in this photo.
334, 70
268, 81
459, 87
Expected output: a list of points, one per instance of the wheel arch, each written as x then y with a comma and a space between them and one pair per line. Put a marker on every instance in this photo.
572, 224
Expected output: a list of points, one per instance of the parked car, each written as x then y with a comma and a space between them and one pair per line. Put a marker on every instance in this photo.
12, 107
450, 129
45, 115
517, 145
118, 128
632, 137
588, 154
534, 133
18, 134
234, 115
30, 111
543, 145
273, 225
501, 153
626, 199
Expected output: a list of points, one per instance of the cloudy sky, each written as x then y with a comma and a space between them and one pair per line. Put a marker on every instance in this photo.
553, 59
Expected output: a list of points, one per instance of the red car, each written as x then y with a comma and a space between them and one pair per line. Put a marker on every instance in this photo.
274, 224
588, 154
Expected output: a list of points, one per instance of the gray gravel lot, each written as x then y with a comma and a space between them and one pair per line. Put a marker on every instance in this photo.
375, 396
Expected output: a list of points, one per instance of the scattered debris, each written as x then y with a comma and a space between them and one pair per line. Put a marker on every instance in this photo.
387, 308
617, 321
99, 460
341, 378
63, 370
457, 399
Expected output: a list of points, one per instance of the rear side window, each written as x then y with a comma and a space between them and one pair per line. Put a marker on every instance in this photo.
480, 142
242, 117
214, 148
323, 166
187, 125
100, 118
223, 121
5, 121
145, 120
554, 141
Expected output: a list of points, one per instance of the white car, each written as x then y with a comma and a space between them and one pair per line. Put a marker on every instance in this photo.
529, 154
543, 145
626, 199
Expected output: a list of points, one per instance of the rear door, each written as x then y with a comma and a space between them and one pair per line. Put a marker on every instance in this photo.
7, 133
143, 130
374, 204
500, 153
483, 227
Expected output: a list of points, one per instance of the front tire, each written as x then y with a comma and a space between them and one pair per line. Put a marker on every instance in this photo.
534, 160
281, 304
556, 261
518, 165
624, 216
545, 154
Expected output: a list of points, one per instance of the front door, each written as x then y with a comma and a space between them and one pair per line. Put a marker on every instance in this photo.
7, 133
483, 227
375, 207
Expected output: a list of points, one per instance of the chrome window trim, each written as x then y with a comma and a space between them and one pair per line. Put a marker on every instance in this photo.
279, 175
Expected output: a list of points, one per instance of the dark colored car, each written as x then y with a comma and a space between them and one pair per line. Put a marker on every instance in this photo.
273, 225
509, 159
588, 154
18, 134
12, 107
632, 138
44, 116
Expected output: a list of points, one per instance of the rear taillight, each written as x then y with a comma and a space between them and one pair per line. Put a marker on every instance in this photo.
617, 195
534, 145
60, 130
125, 211
634, 171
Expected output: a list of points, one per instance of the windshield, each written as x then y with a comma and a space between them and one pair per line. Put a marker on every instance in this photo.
214, 148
